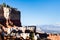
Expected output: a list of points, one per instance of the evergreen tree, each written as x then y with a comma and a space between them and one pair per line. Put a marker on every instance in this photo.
4, 5
32, 36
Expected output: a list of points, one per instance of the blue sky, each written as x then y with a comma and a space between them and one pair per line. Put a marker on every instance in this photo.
37, 12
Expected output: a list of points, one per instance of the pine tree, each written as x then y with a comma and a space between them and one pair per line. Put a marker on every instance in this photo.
4, 5
32, 36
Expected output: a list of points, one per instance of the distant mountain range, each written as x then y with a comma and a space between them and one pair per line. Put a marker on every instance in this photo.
49, 28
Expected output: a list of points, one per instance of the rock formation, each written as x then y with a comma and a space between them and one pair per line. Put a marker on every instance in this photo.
2, 18
15, 17
10, 15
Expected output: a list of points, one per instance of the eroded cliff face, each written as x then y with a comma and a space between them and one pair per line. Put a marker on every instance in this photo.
15, 17
2, 18
11, 14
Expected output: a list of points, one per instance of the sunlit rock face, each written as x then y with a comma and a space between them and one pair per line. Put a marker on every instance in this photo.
2, 18
6, 12
12, 14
